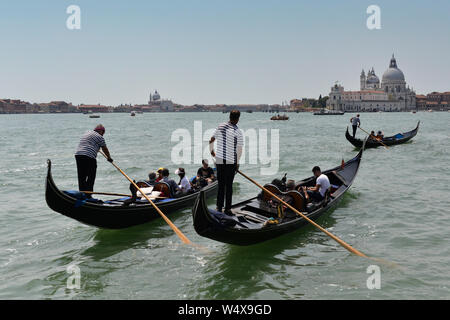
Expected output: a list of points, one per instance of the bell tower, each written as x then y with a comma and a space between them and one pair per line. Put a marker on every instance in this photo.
362, 80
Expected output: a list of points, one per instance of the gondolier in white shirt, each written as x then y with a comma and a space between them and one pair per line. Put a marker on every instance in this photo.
355, 124
230, 143
86, 154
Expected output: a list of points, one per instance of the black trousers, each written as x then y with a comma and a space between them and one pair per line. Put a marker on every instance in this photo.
354, 130
225, 177
87, 169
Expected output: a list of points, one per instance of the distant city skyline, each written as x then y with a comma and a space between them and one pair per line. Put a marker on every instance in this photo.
215, 52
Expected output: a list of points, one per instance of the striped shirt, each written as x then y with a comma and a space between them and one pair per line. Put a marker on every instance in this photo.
229, 137
90, 144
355, 121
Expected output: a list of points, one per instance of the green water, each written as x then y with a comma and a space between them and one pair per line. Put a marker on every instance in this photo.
397, 209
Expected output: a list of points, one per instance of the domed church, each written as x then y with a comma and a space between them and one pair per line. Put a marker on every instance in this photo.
391, 94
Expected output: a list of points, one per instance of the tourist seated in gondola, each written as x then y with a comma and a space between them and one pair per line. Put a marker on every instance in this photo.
151, 179
160, 176
290, 196
372, 135
318, 192
380, 135
205, 175
290, 185
183, 184
174, 188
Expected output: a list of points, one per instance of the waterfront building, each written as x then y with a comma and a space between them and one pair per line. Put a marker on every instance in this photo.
164, 105
389, 94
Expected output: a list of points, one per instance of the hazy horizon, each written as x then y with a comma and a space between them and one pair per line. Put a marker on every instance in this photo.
214, 52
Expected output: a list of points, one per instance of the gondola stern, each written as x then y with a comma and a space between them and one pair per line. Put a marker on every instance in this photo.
49, 179
355, 142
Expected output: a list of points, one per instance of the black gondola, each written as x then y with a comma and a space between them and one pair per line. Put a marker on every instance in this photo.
113, 214
399, 138
255, 221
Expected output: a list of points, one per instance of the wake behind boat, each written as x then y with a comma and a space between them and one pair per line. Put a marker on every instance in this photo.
399, 138
113, 214
255, 220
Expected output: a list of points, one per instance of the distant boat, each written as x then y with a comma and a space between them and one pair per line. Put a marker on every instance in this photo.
94, 116
249, 111
414, 112
133, 113
324, 112
278, 117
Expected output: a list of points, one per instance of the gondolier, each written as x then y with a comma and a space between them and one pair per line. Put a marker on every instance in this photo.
230, 142
355, 124
86, 154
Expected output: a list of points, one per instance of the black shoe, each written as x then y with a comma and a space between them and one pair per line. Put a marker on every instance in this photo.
218, 210
228, 212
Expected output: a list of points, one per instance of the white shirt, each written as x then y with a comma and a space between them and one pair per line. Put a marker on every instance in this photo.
355, 121
185, 185
324, 183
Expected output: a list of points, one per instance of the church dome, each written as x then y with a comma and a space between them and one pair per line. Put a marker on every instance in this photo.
373, 79
156, 96
393, 73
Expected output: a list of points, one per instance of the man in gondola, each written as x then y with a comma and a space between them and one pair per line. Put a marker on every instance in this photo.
86, 155
174, 188
205, 175
355, 124
372, 135
317, 193
380, 135
230, 142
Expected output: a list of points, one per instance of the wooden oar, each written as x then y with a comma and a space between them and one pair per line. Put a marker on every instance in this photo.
371, 135
341, 242
174, 228
116, 194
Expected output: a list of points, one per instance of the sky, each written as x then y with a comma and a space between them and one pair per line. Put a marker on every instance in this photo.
210, 51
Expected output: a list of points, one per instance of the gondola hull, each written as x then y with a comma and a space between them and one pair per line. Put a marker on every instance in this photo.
208, 226
388, 141
114, 216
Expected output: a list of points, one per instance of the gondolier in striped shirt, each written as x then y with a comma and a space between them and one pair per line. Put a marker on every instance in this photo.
230, 142
86, 155
355, 123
